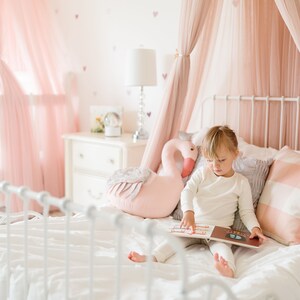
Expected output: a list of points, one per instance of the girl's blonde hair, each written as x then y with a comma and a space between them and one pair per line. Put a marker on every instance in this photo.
215, 138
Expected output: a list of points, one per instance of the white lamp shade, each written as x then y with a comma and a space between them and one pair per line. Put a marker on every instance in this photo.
141, 67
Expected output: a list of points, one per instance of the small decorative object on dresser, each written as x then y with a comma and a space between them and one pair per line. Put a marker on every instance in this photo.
91, 158
102, 116
112, 124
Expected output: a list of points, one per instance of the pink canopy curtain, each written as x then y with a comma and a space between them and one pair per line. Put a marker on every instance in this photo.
35, 108
290, 12
254, 54
243, 48
193, 15
250, 52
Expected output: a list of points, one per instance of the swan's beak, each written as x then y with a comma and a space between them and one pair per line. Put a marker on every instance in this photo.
188, 166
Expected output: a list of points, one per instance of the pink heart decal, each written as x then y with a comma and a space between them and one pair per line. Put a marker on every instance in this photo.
149, 114
84, 68
155, 13
164, 76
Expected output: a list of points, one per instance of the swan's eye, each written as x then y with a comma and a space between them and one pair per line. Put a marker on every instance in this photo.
192, 148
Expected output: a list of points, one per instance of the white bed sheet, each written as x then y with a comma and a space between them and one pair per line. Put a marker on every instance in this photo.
270, 272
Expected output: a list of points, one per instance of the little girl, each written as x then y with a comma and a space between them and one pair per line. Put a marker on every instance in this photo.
211, 196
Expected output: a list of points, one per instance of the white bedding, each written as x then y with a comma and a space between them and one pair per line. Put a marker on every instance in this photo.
270, 272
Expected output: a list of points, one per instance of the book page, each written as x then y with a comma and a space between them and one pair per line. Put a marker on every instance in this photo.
216, 233
235, 237
202, 231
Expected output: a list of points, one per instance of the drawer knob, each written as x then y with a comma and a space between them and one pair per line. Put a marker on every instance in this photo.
81, 155
96, 197
111, 161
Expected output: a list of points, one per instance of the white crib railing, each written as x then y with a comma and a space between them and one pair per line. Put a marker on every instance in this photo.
68, 207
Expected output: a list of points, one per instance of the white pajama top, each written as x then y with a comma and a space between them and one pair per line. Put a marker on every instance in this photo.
214, 199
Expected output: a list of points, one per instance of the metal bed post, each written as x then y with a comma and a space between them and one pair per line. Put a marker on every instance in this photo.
65, 209
7, 193
118, 224
239, 109
213, 109
42, 199
149, 232
226, 108
266, 122
90, 214
297, 123
281, 121
22, 192
252, 119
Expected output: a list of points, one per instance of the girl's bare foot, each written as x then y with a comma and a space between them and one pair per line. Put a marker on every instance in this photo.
136, 257
222, 266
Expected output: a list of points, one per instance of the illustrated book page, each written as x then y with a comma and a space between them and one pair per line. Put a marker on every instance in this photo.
217, 233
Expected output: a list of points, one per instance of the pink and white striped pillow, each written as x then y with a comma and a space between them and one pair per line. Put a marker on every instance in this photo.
278, 210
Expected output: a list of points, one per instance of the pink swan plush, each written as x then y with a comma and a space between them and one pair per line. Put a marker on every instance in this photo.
147, 194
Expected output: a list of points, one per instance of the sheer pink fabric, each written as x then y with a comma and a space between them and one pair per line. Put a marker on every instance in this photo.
243, 48
36, 115
254, 54
19, 152
290, 12
193, 15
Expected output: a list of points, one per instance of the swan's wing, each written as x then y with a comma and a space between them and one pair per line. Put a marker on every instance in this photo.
126, 183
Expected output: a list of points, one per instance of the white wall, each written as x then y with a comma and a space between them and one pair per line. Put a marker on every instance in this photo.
98, 33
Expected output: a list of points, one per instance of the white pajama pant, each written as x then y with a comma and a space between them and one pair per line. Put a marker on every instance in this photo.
164, 251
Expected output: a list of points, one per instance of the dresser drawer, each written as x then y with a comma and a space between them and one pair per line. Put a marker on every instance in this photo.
88, 189
91, 158
99, 158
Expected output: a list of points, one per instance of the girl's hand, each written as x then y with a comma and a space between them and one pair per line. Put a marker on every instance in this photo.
188, 221
256, 232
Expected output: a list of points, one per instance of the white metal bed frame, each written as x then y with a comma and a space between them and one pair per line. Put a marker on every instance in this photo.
92, 214
267, 100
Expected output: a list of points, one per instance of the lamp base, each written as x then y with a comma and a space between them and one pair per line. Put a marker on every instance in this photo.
140, 134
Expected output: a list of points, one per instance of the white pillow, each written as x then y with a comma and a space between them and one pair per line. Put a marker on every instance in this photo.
257, 152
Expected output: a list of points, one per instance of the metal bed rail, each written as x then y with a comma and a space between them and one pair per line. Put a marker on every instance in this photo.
68, 207
267, 101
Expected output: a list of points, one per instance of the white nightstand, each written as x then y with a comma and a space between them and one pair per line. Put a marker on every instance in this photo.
90, 158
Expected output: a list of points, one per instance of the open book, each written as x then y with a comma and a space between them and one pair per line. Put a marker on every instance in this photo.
217, 233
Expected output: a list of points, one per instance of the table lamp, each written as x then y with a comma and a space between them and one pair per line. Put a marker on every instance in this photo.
141, 71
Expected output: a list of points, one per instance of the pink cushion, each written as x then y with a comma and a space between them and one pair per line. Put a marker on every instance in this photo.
278, 210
